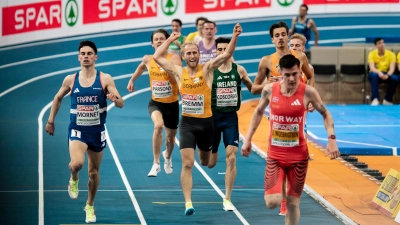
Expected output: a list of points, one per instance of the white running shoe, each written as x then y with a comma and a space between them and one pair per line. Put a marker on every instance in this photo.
167, 163
90, 216
73, 190
228, 206
375, 102
386, 102
154, 170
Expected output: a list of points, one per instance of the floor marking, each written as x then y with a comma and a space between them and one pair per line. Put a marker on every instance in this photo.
139, 190
222, 173
164, 203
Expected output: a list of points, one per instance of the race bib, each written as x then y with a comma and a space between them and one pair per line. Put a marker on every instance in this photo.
193, 104
285, 135
227, 96
87, 115
161, 89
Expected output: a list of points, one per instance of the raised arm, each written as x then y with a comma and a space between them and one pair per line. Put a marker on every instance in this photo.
163, 62
219, 60
313, 97
245, 77
263, 71
113, 95
55, 106
139, 71
305, 68
256, 119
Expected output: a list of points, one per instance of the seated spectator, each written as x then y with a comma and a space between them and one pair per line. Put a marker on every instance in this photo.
197, 36
175, 47
398, 63
381, 66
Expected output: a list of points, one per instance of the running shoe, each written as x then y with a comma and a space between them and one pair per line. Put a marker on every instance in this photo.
228, 206
90, 216
167, 163
189, 209
73, 190
283, 210
154, 170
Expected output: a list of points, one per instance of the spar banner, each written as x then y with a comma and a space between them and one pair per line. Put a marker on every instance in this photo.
24, 21
387, 198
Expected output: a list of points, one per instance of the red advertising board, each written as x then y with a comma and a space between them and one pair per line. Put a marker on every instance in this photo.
31, 17
222, 5
111, 10
318, 2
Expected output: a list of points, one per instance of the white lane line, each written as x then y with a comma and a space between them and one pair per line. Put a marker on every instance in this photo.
357, 125
140, 190
216, 188
118, 163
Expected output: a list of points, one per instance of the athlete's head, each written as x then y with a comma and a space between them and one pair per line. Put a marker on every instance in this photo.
297, 42
379, 44
279, 34
199, 23
209, 30
87, 53
158, 37
290, 70
303, 10
190, 53
176, 25
221, 43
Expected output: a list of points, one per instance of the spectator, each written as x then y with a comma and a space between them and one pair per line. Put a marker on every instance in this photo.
381, 68
175, 47
196, 36
303, 25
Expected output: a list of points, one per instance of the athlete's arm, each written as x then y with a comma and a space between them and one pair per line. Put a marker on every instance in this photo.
172, 70
219, 60
109, 85
244, 77
256, 119
305, 68
313, 27
55, 106
312, 96
259, 79
139, 71
291, 31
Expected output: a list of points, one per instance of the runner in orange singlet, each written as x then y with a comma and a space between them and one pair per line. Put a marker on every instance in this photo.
288, 153
269, 65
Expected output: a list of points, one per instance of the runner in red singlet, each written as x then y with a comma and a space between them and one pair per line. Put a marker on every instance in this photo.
287, 152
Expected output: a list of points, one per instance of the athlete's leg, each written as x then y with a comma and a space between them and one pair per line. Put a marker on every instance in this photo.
214, 154
187, 155
230, 174
94, 161
77, 151
274, 178
293, 210
170, 141
157, 119
204, 157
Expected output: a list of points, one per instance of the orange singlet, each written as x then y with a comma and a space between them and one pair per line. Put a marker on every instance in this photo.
275, 71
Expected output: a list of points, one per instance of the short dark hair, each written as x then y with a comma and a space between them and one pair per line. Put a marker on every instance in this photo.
305, 6
222, 40
209, 21
162, 31
200, 18
288, 61
278, 25
88, 43
377, 40
178, 21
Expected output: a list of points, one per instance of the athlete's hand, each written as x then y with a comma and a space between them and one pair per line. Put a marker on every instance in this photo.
50, 128
332, 149
310, 107
275, 79
175, 36
130, 86
237, 30
246, 149
112, 97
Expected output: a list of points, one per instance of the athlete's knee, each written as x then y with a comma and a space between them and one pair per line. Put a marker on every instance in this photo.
94, 175
204, 162
169, 140
271, 204
187, 164
231, 161
158, 127
75, 166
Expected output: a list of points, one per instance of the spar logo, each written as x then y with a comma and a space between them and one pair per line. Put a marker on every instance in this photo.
192, 97
285, 3
71, 12
169, 7
224, 5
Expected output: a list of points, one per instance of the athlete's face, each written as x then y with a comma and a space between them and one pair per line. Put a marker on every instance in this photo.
297, 45
200, 25
86, 56
209, 30
291, 77
191, 55
380, 45
158, 39
280, 37
221, 48
176, 27
302, 11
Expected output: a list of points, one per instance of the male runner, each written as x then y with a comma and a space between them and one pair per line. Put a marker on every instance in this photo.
89, 89
164, 105
195, 83
225, 101
207, 47
287, 152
